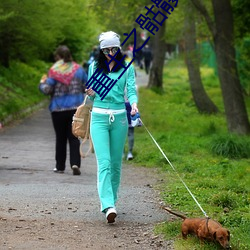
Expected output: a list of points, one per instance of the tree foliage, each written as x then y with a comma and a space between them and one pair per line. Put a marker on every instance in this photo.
118, 15
242, 34
32, 32
241, 17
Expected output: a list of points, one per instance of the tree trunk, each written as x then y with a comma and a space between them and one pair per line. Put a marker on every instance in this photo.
201, 99
235, 109
159, 51
223, 37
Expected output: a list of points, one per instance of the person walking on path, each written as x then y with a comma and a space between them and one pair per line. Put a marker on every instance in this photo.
131, 129
109, 125
147, 54
65, 84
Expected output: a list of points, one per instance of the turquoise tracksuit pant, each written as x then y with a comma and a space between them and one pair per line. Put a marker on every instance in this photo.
108, 133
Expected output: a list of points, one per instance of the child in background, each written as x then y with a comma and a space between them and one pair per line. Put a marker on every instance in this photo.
131, 129
130, 133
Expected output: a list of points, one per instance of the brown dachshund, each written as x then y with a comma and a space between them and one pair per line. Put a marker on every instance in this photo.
204, 229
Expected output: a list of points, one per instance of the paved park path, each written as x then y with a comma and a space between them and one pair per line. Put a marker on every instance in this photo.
40, 209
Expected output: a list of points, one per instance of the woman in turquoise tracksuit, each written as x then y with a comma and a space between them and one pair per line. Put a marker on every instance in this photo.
109, 123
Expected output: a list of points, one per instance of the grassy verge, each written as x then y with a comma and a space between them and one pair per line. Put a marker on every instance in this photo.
212, 163
19, 88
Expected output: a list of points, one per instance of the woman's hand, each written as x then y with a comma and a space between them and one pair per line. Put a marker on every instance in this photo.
134, 109
90, 92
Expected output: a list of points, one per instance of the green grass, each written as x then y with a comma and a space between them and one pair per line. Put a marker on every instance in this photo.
19, 88
214, 164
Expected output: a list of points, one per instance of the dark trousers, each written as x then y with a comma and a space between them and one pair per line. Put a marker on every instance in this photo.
62, 122
130, 129
131, 139
147, 65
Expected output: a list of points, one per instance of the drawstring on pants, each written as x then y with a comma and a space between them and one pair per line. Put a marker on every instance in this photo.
109, 112
111, 117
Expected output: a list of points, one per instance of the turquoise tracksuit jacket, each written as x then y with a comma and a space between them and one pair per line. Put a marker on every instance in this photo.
115, 97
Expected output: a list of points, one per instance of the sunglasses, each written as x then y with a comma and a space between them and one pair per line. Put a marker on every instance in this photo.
113, 50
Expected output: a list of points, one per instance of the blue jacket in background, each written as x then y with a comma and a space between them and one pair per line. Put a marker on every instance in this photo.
65, 96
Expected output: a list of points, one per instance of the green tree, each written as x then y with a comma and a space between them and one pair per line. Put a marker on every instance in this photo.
182, 29
221, 28
201, 99
241, 17
118, 15
242, 33
159, 51
28, 33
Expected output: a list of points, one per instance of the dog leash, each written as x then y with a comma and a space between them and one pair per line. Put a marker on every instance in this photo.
174, 169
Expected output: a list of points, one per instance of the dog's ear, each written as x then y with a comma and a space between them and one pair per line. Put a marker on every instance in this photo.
228, 237
214, 235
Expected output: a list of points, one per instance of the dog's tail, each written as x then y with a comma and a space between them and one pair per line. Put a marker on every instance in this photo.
175, 213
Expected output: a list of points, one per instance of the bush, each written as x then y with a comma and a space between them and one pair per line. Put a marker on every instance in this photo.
231, 146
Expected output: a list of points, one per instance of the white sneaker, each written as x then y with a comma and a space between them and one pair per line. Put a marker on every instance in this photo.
111, 214
58, 171
130, 156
